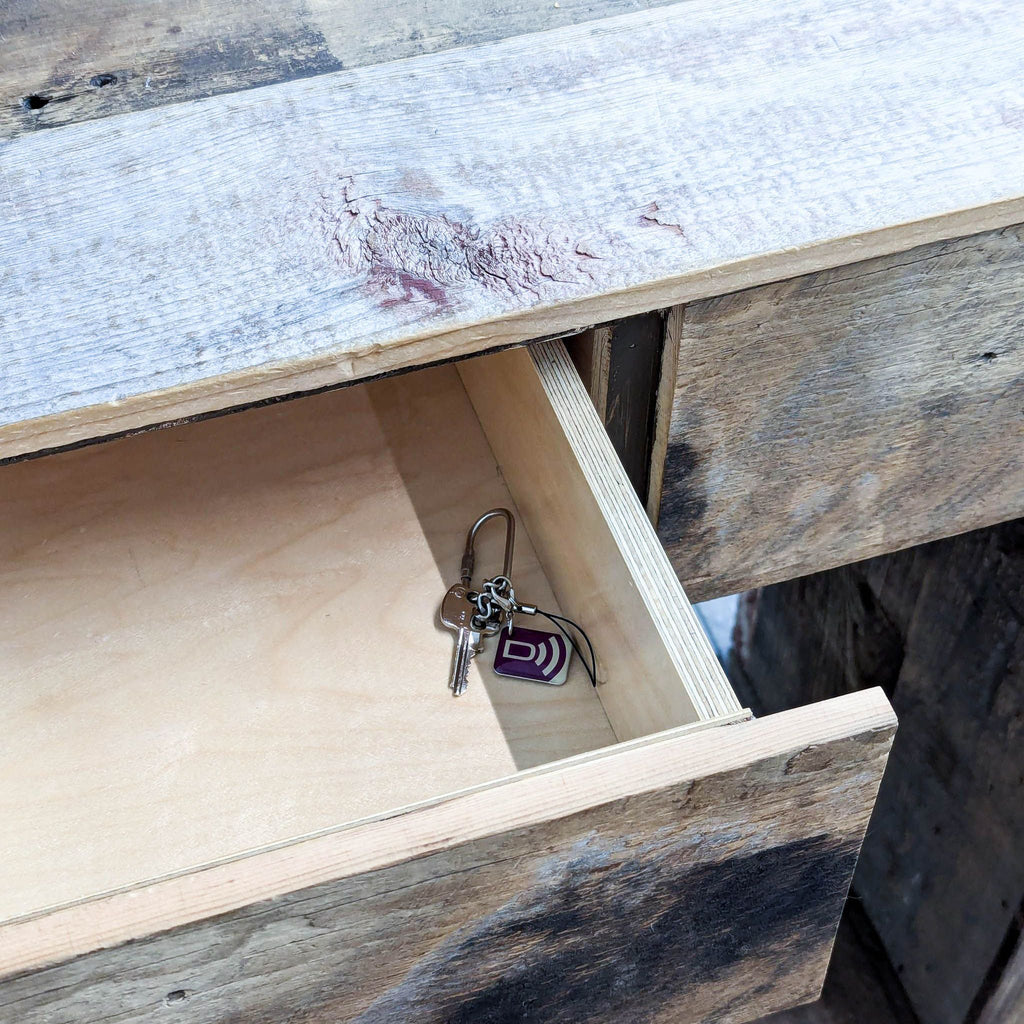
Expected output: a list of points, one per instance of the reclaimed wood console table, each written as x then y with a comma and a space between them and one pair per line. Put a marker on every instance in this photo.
758, 263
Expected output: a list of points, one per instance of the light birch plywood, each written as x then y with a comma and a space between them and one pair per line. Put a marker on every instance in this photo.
690, 877
202, 255
222, 636
656, 667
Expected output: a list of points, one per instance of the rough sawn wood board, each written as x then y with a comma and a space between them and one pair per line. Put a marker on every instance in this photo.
847, 413
200, 255
66, 61
715, 897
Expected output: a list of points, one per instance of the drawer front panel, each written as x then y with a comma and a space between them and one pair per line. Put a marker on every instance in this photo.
695, 877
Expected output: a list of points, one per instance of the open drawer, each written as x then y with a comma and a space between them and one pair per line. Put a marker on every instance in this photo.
234, 786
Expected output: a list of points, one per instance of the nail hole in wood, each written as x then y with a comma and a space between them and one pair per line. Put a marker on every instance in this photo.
988, 356
107, 78
34, 102
179, 995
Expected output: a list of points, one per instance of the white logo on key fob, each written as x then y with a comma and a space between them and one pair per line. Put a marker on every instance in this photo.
532, 654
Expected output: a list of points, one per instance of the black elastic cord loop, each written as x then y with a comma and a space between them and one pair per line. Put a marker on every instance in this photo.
558, 620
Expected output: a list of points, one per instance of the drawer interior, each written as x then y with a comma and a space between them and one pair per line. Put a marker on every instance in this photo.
222, 636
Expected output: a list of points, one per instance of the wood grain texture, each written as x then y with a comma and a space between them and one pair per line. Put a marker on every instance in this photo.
847, 413
715, 896
215, 638
132, 912
201, 255
861, 986
623, 366
941, 629
663, 402
72, 60
634, 372
656, 668
591, 354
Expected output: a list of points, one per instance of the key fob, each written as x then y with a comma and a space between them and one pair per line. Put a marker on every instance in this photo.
533, 654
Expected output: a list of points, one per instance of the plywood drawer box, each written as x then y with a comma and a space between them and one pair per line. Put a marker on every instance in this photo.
233, 785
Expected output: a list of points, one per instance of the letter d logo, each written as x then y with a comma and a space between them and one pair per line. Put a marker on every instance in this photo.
534, 655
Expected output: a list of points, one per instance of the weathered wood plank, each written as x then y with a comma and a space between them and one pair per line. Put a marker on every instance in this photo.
201, 255
622, 366
860, 987
1005, 1005
634, 372
847, 413
711, 896
941, 628
662, 428
65, 61
591, 353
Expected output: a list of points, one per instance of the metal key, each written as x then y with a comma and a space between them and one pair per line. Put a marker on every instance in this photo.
457, 613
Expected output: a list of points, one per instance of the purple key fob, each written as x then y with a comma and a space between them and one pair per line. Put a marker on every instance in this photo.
532, 654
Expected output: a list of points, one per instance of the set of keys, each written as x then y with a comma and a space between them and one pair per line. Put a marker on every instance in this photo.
460, 611
475, 615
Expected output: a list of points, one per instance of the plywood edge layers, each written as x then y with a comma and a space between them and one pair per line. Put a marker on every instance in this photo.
602, 557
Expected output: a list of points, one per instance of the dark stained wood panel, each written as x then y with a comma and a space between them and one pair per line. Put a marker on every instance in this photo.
74, 60
621, 366
941, 629
847, 413
861, 986
714, 898
1005, 1005
633, 373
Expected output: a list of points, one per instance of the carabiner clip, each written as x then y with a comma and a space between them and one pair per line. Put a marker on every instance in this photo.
469, 555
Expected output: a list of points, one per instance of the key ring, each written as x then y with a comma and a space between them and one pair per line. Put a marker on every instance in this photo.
469, 555
496, 596
475, 615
